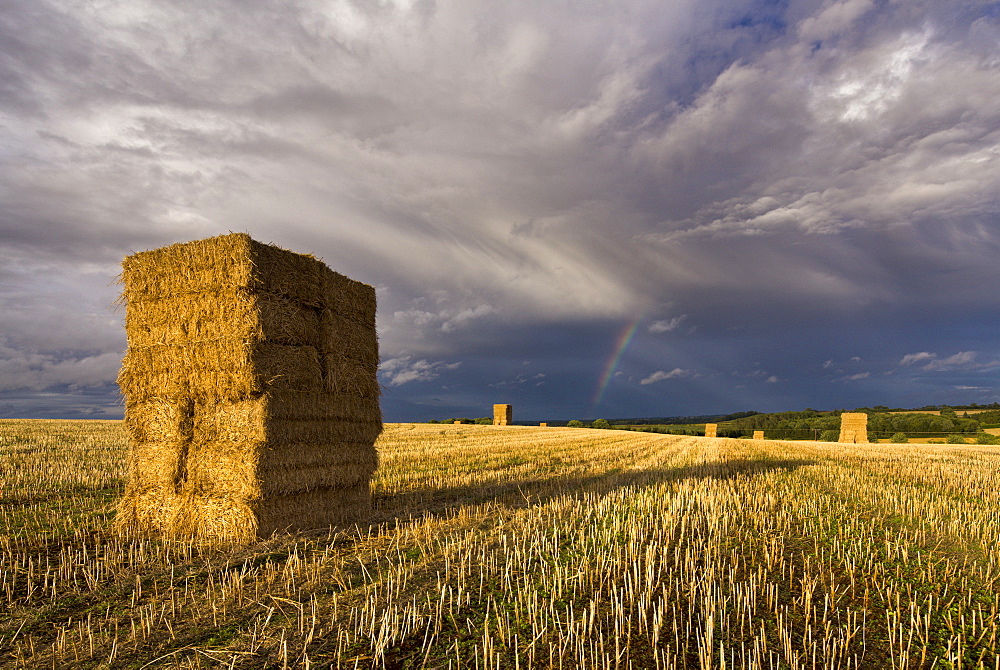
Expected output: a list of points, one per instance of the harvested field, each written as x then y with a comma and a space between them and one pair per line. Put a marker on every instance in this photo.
532, 547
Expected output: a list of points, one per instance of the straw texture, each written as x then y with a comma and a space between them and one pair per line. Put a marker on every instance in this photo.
853, 428
252, 402
711, 429
503, 415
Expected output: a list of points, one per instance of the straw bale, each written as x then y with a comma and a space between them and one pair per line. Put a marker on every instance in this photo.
225, 262
157, 464
758, 435
351, 377
147, 511
503, 415
251, 391
301, 277
853, 428
711, 429
457, 423
186, 516
233, 520
318, 508
221, 518
348, 339
260, 469
228, 368
226, 498
218, 315
188, 268
289, 480
312, 454
159, 419
312, 430
284, 418
291, 405
349, 299
543, 425
223, 469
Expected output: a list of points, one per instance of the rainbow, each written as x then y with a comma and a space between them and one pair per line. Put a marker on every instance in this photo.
624, 338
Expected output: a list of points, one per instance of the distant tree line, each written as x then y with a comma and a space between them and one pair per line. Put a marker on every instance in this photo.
597, 423
812, 424
930, 408
702, 418
808, 424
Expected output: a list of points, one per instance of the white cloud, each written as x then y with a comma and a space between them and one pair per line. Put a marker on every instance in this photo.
667, 325
852, 378
660, 375
417, 317
402, 370
446, 320
960, 360
910, 359
463, 317
773, 379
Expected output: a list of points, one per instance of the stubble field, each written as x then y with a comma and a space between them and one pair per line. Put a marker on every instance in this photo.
507, 547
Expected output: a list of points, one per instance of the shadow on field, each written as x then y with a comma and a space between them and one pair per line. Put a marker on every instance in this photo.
538, 490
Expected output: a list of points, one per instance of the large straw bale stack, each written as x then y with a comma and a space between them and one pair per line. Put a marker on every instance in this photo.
503, 415
758, 435
252, 402
853, 428
711, 429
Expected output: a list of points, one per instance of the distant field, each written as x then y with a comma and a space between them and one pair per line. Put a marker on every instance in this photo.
525, 547
936, 412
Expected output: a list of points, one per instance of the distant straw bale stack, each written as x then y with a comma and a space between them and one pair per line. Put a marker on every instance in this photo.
456, 422
853, 428
503, 415
711, 429
543, 425
251, 396
758, 435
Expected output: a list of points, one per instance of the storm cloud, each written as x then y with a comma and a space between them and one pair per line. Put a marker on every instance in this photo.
748, 190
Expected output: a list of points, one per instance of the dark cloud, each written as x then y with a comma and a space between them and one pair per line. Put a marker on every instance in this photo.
748, 187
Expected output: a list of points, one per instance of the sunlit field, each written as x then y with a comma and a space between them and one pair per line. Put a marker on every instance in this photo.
515, 547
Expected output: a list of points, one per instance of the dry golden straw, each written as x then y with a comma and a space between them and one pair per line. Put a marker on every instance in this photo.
252, 402
853, 428
758, 435
710, 429
532, 548
503, 415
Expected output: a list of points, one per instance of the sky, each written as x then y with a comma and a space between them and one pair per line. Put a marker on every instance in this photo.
585, 209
